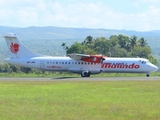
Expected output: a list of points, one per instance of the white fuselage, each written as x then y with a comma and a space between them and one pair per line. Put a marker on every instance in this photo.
121, 65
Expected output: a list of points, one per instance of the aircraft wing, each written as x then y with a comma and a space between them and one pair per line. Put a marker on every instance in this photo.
78, 56
87, 58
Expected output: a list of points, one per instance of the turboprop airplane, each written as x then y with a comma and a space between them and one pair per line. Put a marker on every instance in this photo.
76, 63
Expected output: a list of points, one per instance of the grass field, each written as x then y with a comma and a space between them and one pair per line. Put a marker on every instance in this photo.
58, 74
80, 100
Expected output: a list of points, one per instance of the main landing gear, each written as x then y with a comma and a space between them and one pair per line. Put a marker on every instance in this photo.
85, 74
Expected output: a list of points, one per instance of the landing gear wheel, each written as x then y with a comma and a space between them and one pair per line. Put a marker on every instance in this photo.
82, 74
85, 74
147, 75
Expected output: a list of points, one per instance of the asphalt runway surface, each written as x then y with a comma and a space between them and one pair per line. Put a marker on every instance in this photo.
83, 79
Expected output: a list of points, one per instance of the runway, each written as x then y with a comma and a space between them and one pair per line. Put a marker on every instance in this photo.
84, 79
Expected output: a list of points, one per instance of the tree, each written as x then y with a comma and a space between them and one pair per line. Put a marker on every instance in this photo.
142, 42
116, 51
101, 45
26, 69
116, 46
64, 47
133, 42
76, 48
152, 60
113, 40
124, 42
88, 40
142, 52
14, 68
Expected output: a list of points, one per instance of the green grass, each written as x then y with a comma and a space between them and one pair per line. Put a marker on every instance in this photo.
79, 100
65, 74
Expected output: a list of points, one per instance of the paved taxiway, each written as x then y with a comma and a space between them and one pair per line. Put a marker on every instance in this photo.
81, 79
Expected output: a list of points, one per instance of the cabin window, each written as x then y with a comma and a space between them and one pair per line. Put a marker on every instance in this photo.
65, 62
75, 62
78, 62
56, 62
33, 61
82, 63
62, 62
68, 62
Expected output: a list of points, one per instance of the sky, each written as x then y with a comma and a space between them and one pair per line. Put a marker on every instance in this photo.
138, 15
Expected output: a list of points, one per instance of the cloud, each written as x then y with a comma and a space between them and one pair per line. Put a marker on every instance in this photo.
77, 14
148, 1
142, 3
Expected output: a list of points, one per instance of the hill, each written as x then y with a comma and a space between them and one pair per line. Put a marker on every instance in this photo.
51, 32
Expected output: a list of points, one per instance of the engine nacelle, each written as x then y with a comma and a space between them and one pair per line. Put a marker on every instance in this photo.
94, 58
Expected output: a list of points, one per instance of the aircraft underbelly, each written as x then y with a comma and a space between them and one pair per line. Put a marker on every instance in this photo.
80, 69
125, 70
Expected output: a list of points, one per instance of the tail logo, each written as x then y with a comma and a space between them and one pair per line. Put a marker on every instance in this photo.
14, 48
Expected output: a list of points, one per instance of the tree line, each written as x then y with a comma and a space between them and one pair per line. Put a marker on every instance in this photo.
10, 68
115, 46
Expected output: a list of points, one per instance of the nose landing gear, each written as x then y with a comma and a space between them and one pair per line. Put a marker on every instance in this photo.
147, 74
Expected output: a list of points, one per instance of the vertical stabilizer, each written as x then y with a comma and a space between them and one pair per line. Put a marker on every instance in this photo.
16, 49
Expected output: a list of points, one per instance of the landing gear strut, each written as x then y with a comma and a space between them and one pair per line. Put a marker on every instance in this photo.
85, 74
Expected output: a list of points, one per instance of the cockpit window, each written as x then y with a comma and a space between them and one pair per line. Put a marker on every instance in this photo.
142, 61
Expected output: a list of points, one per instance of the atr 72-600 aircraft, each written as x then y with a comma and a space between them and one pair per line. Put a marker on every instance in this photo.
76, 63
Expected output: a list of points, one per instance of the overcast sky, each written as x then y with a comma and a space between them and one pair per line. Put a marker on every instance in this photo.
139, 15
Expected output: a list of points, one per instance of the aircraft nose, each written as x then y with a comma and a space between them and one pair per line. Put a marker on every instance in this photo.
155, 68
